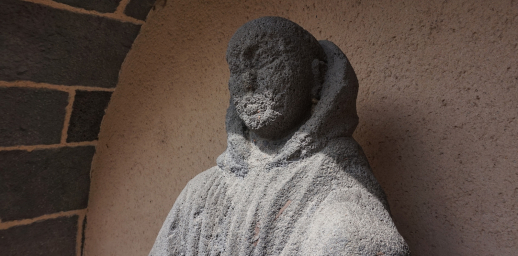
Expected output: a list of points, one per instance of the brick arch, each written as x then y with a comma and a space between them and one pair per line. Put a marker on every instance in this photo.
59, 65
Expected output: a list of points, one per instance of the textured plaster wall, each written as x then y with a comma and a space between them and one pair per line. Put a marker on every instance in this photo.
438, 106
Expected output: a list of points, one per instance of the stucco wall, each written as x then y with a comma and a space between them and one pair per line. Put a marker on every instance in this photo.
438, 108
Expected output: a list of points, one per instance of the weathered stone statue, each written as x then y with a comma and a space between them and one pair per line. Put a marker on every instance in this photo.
292, 180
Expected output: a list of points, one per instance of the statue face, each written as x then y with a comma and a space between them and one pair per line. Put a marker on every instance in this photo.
270, 84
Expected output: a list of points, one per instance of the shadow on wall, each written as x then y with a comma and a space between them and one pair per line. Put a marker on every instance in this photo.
428, 171
397, 159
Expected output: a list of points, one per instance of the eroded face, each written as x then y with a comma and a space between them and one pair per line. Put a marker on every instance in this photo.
270, 85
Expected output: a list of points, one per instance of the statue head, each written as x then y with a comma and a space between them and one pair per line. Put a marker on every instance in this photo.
276, 71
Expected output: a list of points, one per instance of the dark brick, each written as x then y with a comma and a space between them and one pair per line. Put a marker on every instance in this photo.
44, 181
139, 9
43, 44
31, 116
87, 115
42, 238
83, 236
96, 5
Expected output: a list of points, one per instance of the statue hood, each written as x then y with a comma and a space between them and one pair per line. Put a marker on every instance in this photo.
333, 116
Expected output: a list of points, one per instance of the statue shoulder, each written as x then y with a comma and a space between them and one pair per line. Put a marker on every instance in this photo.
353, 223
203, 179
196, 187
177, 221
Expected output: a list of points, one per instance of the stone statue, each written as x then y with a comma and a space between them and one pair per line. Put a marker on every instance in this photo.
292, 180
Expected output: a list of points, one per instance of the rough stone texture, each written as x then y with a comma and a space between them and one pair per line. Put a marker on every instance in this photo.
44, 181
43, 44
97, 5
292, 180
139, 9
42, 238
31, 116
437, 101
87, 115
83, 236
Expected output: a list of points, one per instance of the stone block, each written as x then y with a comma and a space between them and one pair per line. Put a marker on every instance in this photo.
45, 238
44, 181
83, 236
31, 116
139, 9
96, 5
87, 115
43, 44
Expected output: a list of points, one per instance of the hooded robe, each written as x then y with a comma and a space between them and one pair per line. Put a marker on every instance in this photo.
315, 195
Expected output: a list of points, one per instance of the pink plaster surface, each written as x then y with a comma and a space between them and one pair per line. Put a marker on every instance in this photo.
438, 108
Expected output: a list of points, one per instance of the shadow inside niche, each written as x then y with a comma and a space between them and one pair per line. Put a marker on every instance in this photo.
385, 136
